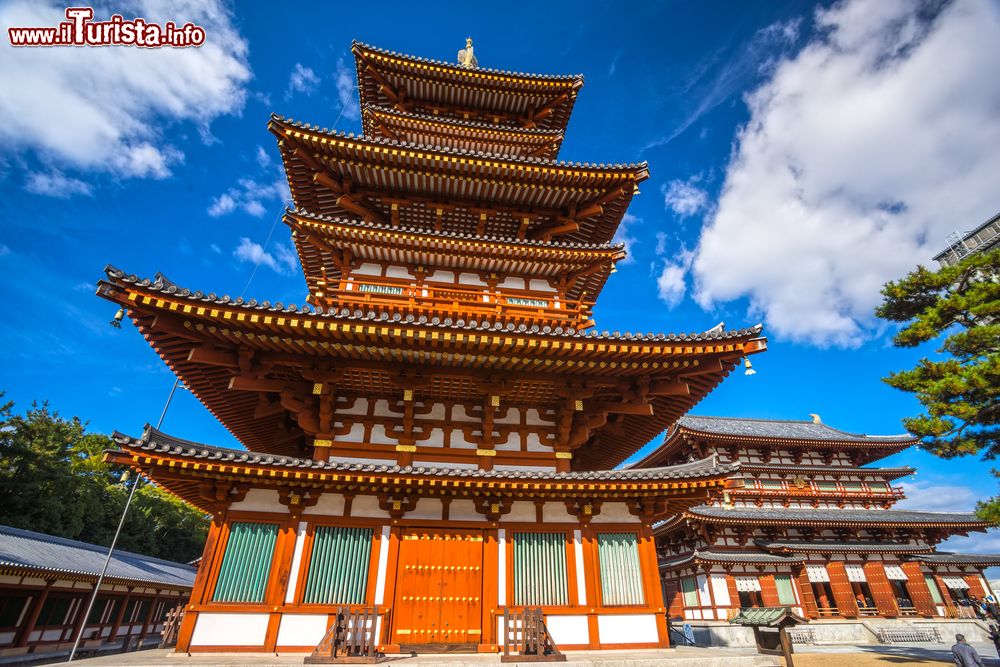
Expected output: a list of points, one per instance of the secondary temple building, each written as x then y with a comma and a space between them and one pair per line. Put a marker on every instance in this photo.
811, 527
435, 433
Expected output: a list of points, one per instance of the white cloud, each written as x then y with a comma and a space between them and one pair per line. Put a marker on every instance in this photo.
4, 250
250, 196
930, 497
302, 80
263, 158
685, 198
671, 283
861, 154
346, 85
282, 260
105, 109
55, 184
625, 234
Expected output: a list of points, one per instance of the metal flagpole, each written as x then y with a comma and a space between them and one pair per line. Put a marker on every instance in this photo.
114, 540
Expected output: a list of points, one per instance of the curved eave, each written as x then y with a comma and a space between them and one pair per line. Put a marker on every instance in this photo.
675, 441
722, 558
394, 80
316, 236
183, 470
887, 474
18, 569
857, 548
460, 135
382, 169
804, 521
178, 323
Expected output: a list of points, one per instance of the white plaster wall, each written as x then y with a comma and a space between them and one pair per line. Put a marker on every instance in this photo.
360, 407
427, 508
229, 629
511, 282
556, 512
533, 418
458, 414
293, 577
521, 511
382, 409
440, 276
526, 467
445, 464
367, 506
615, 513
437, 412
463, 510
368, 269
383, 565
513, 416
352, 459
301, 629
534, 444
508, 443
258, 500
379, 437
568, 629
470, 279
356, 434
581, 578
539, 285
435, 439
398, 272
627, 629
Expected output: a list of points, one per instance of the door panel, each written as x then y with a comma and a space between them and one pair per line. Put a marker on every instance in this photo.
439, 583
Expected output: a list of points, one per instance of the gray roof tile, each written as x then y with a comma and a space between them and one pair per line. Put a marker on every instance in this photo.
793, 515
782, 429
156, 441
37, 551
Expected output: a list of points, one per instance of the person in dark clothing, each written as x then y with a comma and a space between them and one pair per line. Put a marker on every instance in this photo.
965, 655
995, 636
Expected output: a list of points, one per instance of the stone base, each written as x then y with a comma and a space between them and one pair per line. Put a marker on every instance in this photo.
834, 632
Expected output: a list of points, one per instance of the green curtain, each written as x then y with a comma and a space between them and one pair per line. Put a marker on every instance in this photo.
540, 575
338, 568
786, 594
689, 587
246, 564
621, 575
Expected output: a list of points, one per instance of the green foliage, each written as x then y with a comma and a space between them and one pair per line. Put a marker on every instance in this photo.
53, 479
960, 394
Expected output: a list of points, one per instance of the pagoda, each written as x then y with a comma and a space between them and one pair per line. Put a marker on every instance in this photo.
434, 434
812, 527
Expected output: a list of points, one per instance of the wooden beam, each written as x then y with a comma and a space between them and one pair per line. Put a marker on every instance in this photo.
244, 383
213, 357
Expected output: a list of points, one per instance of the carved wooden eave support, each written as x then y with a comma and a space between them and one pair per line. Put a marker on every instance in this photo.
296, 500
221, 494
492, 507
583, 509
648, 509
397, 506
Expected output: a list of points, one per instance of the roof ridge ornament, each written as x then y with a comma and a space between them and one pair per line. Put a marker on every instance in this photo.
466, 58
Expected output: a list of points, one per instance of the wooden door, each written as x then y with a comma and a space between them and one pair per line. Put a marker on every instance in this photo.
439, 586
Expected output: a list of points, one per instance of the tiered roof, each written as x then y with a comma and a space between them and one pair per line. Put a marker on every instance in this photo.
233, 354
183, 467
741, 432
432, 87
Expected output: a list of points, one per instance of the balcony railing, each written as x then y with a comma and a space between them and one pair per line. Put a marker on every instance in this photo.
446, 299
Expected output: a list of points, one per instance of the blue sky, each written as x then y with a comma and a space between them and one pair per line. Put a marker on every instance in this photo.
801, 154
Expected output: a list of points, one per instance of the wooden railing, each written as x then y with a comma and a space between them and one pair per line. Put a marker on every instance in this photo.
353, 637
525, 637
171, 626
826, 612
448, 298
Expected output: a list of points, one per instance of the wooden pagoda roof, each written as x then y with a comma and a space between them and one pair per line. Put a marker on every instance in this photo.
320, 239
468, 136
748, 433
948, 558
335, 174
184, 468
215, 344
409, 83
853, 547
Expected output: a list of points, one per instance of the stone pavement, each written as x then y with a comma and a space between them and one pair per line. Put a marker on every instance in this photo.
684, 656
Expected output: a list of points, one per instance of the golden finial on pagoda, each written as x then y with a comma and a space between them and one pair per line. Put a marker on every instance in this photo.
466, 58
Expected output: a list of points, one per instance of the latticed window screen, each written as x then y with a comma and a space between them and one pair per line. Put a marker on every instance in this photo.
540, 569
689, 588
935, 591
771, 484
246, 564
379, 289
521, 301
621, 576
338, 567
786, 594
